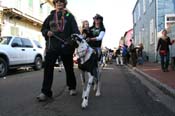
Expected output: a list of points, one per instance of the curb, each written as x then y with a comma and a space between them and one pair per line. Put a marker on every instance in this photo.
163, 87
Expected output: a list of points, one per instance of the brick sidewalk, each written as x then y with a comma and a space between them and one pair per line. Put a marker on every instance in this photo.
154, 70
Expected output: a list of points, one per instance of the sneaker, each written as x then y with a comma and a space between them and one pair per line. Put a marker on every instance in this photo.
73, 92
42, 97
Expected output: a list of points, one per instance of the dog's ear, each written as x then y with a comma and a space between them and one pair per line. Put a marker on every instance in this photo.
73, 36
77, 37
72, 41
74, 44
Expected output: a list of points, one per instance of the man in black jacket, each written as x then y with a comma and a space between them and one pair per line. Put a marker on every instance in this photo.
57, 29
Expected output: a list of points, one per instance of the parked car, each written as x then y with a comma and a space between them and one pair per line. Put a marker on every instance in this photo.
16, 52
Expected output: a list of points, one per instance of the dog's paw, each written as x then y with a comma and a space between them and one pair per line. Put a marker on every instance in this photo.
84, 104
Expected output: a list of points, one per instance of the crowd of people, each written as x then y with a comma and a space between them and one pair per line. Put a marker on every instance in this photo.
57, 30
129, 54
134, 54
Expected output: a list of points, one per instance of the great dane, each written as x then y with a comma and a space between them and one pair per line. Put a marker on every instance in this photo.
87, 62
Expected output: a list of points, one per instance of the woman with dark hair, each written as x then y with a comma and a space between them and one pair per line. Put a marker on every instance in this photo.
97, 32
57, 30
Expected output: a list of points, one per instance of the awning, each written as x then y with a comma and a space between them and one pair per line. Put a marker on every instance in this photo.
15, 13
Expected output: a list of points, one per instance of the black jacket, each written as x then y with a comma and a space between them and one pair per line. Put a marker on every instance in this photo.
70, 27
94, 32
163, 44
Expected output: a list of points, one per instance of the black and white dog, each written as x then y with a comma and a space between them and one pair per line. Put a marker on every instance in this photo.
87, 62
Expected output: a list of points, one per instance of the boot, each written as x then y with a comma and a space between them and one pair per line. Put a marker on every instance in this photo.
162, 66
166, 65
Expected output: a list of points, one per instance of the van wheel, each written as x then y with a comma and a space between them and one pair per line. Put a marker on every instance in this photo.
3, 67
38, 63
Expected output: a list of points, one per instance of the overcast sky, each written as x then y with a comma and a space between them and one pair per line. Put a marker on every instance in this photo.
117, 16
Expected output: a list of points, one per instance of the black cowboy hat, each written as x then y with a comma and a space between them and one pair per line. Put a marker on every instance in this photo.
97, 16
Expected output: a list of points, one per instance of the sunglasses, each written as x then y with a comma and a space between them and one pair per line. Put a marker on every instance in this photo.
97, 18
55, 1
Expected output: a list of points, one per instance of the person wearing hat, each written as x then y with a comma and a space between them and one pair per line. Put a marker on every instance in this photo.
97, 32
57, 29
95, 37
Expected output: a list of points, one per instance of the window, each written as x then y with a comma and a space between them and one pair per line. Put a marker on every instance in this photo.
30, 3
14, 31
150, 1
17, 42
144, 6
135, 19
169, 20
140, 36
5, 40
27, 43
138, 10
37, 44
151, 31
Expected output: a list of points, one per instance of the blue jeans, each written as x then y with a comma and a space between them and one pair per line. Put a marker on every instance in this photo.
99, 52
140, 60
165, 61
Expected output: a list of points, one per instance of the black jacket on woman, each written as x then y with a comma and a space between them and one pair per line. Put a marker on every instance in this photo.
163, 44
94, 32
70, 27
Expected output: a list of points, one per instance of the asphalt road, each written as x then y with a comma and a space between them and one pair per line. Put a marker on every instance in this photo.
122, 95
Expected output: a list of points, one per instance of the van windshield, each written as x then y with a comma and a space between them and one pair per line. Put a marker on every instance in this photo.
5, 40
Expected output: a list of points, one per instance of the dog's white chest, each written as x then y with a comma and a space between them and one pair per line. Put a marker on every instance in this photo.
84, 52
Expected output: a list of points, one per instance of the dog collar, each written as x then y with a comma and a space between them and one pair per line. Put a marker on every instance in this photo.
86, 51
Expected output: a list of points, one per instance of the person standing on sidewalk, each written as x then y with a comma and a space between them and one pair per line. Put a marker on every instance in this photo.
163, 49
133, 54
57, 29
140, 54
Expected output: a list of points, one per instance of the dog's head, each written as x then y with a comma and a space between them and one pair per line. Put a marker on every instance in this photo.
77, 39
80, 44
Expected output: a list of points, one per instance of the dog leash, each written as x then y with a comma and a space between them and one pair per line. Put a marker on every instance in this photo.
58, 38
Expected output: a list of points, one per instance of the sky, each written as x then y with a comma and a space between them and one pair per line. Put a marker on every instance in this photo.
117, 16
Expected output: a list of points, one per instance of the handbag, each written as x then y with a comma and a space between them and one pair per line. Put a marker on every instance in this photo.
162, 52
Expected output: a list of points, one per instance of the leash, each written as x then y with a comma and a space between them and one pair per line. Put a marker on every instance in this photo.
58, 38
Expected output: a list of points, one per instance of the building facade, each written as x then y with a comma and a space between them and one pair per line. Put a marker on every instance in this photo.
149, 18
23, 17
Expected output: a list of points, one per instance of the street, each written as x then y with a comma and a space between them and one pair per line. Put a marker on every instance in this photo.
122, 95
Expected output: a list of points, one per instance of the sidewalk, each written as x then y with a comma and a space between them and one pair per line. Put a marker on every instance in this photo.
163, 80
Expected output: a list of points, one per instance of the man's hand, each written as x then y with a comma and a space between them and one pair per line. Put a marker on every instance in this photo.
87, 39
172, 41
49, 33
